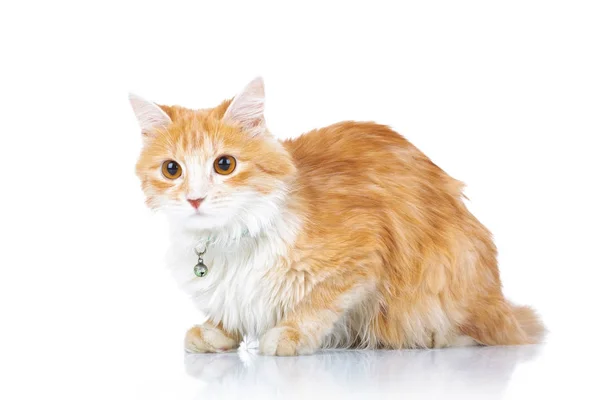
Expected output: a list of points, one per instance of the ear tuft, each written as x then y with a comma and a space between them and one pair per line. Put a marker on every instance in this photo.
150, 116
248, 107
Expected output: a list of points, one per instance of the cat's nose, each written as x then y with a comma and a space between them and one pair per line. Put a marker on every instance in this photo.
196, 202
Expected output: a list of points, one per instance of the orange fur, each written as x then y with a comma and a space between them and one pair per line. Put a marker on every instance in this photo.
386, 252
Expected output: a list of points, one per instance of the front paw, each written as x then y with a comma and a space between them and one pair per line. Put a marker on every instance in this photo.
208, 339
283, 341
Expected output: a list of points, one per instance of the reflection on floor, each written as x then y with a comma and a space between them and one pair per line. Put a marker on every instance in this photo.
480, 372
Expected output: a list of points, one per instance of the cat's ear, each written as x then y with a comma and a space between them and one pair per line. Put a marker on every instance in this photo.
247, 109
150, 116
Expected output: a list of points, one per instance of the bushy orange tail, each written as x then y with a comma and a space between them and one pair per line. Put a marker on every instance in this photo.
496, 322
530, 322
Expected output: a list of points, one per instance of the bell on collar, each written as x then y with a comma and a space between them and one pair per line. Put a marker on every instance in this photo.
200, 269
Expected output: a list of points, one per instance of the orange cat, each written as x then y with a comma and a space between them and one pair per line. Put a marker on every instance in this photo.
347, 236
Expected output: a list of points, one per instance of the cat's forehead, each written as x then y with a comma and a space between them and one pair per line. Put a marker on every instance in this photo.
200, 135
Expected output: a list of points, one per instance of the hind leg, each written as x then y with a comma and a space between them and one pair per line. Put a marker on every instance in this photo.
492, 321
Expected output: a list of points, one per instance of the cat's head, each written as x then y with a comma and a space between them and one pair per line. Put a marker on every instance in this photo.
213, 168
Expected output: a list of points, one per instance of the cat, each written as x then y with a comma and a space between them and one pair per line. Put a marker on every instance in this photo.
345, 237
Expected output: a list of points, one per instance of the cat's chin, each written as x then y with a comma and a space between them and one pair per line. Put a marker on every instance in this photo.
196, 221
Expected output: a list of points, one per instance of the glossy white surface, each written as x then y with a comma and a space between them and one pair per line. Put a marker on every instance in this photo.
455, 373
463, 373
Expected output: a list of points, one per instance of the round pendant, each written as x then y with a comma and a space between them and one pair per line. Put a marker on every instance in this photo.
200, 270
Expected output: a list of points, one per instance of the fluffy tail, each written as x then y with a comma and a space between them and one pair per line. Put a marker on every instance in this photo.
497, 322
530, 323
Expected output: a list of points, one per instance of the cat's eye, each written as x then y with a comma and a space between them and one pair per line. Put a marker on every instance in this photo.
171, 170
224, 165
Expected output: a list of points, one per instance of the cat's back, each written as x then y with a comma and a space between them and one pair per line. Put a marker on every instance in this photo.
349, 142
351, 153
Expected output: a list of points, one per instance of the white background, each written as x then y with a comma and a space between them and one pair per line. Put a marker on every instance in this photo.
504, 96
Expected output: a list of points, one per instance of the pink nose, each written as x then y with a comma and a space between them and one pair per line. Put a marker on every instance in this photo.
196, 202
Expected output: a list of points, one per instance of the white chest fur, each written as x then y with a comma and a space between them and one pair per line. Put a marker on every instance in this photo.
243, 286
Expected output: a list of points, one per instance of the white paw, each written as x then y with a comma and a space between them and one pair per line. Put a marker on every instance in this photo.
207, 339
462, 341
450, 340
283, 341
